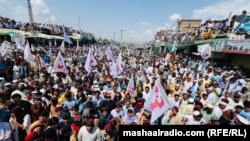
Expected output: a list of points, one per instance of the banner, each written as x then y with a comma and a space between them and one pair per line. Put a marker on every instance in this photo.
185, 132
232, 46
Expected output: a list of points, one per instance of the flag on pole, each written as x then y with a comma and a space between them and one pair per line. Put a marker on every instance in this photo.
66, 37
157, 101
90, 62
62, 47
150, 51
205, 50
77, 45
131, 86
59, 65
4, 48
119, 63
27, 53
19, 43
55, 43
50, 52
42, 63
174, 46
113, 69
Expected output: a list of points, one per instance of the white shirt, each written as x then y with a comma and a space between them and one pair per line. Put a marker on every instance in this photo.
218, 112
94, 135
212, 98
191, 121
114, 113
187, 85
145, 95
173, 102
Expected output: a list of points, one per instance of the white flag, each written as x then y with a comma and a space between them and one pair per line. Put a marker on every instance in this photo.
62, 47
113, 69
59, 65
32, 47
90, 62
103, 67
174, 46
120, 64
131, 86
55, 43
77, 45
27, 53
4, 48
66, 37
205, 50
109, 53
19, 43
157, 101
50, 52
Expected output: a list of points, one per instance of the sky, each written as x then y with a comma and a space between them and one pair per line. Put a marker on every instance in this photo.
128, 21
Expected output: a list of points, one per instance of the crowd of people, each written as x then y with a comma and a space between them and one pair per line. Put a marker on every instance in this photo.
46, 27
209, 29
41, 104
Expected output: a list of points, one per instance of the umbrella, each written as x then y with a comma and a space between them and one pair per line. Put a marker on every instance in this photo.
3, 66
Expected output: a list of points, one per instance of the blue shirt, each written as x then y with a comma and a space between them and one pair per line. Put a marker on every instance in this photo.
245, 114
46, 58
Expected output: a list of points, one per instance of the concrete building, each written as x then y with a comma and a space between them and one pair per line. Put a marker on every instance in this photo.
188, 25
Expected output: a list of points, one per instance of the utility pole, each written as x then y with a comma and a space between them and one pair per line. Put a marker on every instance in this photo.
114, 36
121, 34
31, 18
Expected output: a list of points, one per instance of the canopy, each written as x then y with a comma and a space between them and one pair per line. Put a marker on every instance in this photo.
170, 46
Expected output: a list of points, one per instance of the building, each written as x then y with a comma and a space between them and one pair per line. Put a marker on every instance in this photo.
188, 25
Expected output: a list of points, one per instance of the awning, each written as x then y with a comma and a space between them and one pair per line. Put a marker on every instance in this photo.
170, 46
198, 42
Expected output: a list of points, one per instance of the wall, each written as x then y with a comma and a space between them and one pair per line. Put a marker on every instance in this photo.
241, 59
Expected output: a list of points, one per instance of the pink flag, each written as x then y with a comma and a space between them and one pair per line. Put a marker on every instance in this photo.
157, 101
205, 51
90, 62
62, 47
120, 64
131, 86
59, 65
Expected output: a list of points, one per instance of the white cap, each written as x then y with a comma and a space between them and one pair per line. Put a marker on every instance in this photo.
16, 92
34, 92
196, 113
239, 105
1, 78
210, 106
96, 89
191, 100
42, 91
243, 120
95, 81
223, 103
21, 83
228, 108
14, 81
120, 77
7, 84
55, 86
